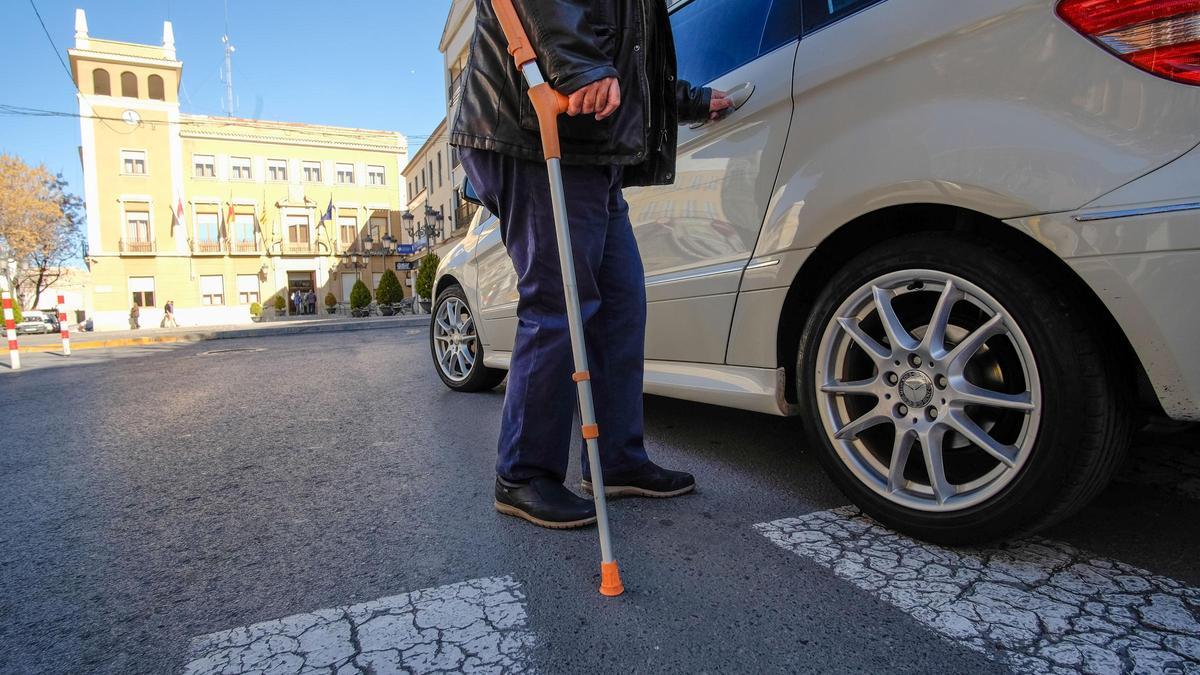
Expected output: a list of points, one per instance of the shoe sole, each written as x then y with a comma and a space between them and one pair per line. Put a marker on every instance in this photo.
632, 491
551, 524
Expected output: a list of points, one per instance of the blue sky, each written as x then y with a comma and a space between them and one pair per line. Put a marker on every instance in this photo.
371, 64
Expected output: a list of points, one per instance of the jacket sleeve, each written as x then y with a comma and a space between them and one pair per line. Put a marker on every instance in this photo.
566, 43
692, 102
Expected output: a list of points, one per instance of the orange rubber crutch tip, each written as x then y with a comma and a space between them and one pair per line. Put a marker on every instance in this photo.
610, 579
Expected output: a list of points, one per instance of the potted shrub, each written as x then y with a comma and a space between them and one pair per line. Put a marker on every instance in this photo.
424, 288
255, 312
280, 305
360, 298
330, 303
389, 293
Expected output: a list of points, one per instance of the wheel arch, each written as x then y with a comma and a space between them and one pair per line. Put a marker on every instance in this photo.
889, 222
443, 282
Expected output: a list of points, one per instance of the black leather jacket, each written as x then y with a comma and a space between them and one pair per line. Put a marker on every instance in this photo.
579, 42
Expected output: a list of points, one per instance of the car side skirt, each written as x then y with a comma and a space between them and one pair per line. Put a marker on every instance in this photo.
754, 389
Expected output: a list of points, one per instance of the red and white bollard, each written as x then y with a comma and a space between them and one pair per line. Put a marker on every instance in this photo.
62, 323
10, 331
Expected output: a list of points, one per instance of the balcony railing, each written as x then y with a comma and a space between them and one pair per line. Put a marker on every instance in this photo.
245, 247
142, 247
206, 247
299, 247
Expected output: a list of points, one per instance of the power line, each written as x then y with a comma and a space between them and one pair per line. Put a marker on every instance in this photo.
53, 46
25, 111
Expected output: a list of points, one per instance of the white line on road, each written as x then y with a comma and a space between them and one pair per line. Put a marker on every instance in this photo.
1038, 605
472, 626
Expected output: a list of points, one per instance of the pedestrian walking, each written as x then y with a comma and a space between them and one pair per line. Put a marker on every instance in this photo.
296, 302
135, 314
610, 140
310, 301
168, 320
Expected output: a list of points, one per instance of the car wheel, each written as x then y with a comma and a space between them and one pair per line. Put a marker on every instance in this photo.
958, 394
454, 343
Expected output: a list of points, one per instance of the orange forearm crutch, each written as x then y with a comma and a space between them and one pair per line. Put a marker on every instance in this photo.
549, 104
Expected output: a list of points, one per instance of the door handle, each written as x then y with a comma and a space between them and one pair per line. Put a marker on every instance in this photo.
738, 96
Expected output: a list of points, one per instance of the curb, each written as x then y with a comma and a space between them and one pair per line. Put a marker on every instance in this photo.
202, 336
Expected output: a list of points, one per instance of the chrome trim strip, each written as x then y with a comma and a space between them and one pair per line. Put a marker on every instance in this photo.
762, 263
712, 271
1142, 211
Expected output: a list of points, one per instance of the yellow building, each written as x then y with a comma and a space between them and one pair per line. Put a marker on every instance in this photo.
216, 213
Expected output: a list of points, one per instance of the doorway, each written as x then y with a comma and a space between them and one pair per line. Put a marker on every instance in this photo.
303, 282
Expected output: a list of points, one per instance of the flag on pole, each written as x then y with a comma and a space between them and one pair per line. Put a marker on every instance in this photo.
328, 215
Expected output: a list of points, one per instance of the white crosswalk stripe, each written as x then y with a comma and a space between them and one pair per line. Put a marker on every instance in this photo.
1038, 605
473, 626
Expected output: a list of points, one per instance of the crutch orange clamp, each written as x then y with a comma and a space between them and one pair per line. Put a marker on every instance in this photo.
549, 104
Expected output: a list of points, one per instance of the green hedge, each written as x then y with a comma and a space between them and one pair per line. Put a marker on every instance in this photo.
360, 296
390, 291
425, 274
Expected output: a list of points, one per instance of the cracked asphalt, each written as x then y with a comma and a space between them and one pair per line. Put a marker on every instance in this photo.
161, 506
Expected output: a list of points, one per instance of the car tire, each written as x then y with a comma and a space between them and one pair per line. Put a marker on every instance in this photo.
993, 360
455, 347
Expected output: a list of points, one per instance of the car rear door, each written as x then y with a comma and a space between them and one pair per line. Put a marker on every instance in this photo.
697, 234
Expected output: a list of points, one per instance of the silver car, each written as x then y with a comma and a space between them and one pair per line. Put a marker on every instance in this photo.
961, 240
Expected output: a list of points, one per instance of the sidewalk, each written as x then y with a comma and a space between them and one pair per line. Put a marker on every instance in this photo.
283, 326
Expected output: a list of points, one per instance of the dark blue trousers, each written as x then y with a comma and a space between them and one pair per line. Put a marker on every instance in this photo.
540, 400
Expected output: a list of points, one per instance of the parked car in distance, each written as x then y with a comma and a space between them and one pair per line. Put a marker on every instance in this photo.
959, 239
37, 321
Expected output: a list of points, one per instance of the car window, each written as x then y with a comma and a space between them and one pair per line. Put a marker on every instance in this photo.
712, 37
819, 13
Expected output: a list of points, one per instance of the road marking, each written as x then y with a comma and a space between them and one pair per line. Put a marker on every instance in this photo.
476, 625
1038, 605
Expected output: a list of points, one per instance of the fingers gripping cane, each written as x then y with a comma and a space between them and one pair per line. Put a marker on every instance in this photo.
549, 104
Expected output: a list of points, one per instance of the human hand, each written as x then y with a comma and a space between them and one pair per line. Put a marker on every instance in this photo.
720, 105
601, 97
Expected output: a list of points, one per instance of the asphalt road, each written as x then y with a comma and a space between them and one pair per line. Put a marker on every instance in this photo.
152, 504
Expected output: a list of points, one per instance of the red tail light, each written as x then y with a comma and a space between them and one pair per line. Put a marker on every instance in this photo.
1158, 36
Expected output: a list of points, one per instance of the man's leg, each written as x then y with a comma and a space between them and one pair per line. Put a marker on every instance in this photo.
540, 400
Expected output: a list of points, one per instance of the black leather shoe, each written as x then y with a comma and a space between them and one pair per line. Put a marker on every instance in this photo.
544, 501
650, 480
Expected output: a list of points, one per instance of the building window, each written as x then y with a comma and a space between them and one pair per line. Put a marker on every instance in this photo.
345, 173
154, 86
204, 166
297, 230
244, 232
347, 229
133, 162
375, 175
212, 290
137, 229
129, 85
208, 229
378, 227
100, 83
277, 169
239, 168
247, 288
439, 168
312, 172
142, 290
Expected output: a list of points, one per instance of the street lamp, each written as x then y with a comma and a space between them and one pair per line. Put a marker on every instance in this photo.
432, 228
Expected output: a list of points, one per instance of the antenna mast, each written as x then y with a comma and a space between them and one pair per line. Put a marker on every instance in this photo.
227, 76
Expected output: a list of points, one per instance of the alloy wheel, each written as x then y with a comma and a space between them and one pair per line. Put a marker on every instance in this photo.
455, 342
928, 390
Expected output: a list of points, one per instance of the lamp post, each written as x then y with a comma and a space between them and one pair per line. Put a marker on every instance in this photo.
10, 273
432, 228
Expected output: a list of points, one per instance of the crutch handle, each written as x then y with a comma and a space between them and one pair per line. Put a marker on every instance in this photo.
547, 103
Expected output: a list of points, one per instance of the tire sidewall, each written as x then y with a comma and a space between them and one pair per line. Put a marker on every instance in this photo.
1042, 315
480, 377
